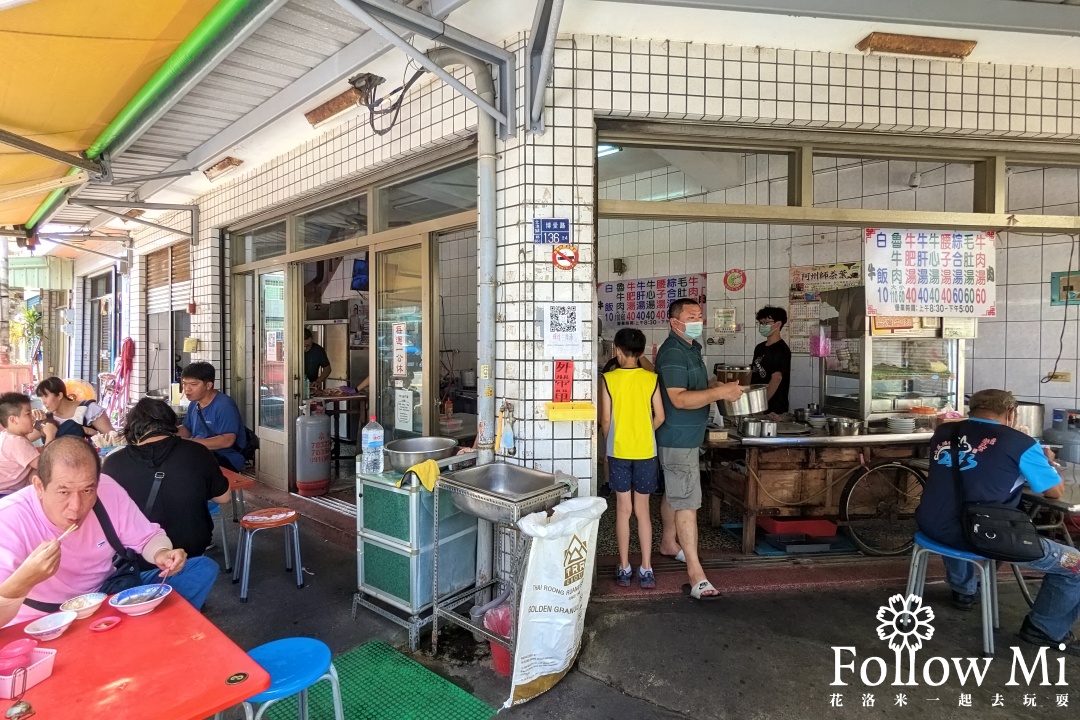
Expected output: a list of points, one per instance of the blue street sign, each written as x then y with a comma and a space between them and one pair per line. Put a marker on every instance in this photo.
551, 231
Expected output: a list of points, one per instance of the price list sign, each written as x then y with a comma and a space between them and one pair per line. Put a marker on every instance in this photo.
929, 273
644, 302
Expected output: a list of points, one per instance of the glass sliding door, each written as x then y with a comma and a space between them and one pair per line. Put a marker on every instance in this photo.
272, 355
402, 388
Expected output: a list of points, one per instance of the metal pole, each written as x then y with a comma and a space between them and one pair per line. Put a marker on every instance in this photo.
550, 21
80, 248
486, 262
31, 146
130, 204
140, 221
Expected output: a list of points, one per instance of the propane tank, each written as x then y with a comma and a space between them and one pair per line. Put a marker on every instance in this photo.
312, 454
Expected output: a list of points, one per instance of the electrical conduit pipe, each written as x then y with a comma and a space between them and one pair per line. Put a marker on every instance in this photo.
158, 84
485, 254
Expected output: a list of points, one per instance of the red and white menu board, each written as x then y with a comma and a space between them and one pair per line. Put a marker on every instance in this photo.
930, 272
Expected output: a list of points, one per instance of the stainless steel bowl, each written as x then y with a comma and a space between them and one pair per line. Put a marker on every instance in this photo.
844, 427
405, 453
754, 400
801, 414
750, 428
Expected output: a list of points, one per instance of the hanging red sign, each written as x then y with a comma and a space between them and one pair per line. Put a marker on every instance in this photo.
564, 381
564, 257
734, 280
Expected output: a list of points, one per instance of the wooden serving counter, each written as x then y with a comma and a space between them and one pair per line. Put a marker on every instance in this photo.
795, 476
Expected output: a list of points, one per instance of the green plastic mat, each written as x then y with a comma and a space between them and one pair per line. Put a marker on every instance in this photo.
379, 683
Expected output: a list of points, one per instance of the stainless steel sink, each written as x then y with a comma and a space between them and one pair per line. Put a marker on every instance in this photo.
501, 492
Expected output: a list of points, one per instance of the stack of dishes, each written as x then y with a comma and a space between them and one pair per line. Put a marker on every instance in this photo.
816, 421
901, 425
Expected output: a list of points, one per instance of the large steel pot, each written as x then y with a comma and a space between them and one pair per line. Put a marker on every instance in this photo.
405, 453
844, 426
750, 427
755, 399
1031, 416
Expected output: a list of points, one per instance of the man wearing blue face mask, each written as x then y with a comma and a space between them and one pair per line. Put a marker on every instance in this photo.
772, 358
687, 394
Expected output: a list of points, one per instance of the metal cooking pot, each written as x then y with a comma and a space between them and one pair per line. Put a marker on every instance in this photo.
768, 428
750, 427
801, 414
1031, 416
405, 453
755, 400
844, 426
726, 374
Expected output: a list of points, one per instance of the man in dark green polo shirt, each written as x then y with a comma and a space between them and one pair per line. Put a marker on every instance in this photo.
316, 363
688, 394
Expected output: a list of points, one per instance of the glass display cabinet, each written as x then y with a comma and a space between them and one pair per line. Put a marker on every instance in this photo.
878, 367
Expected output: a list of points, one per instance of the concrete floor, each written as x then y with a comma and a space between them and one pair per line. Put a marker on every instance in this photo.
746, 655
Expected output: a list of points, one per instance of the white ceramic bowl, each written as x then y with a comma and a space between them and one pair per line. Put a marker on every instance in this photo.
50, 627
140, 600
84, 605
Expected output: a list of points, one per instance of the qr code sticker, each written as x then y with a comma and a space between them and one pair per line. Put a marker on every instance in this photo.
562, 318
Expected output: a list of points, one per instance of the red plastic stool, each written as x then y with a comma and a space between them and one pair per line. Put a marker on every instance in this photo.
266, 519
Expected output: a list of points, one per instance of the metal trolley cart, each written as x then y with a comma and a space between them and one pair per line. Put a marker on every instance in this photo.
395, 548
501, 494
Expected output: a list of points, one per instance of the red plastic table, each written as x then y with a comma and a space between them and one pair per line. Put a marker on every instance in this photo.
172, 664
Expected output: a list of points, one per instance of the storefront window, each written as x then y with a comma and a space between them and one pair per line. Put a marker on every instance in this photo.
341, 221
272, 350
259, 244
400, 328
442, 193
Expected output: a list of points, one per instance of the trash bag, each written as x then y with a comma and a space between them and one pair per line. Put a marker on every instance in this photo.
555, 593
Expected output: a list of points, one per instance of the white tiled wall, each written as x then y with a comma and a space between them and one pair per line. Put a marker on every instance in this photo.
552, 175
457, 299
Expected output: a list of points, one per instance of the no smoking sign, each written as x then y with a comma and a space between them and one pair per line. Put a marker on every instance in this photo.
564, 257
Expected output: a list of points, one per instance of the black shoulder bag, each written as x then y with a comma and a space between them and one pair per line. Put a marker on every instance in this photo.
994, 530
127, 572
251, 440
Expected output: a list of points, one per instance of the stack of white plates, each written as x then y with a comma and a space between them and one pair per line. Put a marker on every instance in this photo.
901, 425
817, 422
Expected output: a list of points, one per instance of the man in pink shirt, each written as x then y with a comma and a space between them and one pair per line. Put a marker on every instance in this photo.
36, 566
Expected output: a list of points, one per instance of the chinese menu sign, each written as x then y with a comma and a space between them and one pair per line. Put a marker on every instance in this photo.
922, 272
644, 303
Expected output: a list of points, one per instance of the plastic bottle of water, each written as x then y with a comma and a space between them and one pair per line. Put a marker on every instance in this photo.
371, 461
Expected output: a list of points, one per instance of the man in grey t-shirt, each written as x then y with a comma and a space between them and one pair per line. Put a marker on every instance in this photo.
687, 394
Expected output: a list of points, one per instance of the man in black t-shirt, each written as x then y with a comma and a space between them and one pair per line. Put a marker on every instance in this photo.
316, 361
772, 358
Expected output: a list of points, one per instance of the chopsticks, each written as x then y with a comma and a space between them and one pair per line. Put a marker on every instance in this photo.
74, 526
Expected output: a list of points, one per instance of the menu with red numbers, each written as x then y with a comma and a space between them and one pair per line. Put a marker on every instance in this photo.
929, 272
644, 302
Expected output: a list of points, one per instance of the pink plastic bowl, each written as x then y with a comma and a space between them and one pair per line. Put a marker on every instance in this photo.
16, 655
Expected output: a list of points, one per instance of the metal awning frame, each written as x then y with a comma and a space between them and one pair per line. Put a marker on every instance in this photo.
102, 205
373, 12
539, 54
92, 167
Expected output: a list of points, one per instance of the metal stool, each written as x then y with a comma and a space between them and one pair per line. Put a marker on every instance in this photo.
266, 519
924, 546
237, 484
215, 515
294, 665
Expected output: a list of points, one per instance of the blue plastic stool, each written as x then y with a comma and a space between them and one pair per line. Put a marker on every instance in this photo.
924, 546
294, 664
215, 515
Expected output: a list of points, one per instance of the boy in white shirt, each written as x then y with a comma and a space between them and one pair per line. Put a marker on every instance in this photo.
18, 456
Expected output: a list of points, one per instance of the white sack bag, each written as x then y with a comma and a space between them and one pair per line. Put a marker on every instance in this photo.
554, 595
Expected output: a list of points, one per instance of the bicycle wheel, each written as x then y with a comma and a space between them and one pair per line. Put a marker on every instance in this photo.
877, 508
